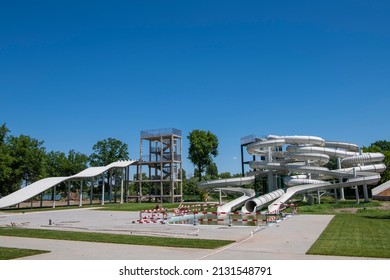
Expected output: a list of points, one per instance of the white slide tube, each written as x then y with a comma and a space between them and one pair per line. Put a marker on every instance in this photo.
323, 150
229, 206
306, 156
342, 145
362, 159
361, 181
290, 181
228, 185
262, 201
239, 181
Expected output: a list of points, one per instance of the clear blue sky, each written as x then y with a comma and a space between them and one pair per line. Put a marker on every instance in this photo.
76, 72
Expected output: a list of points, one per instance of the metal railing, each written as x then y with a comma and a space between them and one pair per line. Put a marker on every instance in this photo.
160, 132
166, 157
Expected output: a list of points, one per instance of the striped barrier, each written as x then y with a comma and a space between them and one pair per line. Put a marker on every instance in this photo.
150, 221
224, 220
160, 216
227, 213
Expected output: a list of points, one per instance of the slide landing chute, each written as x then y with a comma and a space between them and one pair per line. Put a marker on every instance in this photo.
230, 185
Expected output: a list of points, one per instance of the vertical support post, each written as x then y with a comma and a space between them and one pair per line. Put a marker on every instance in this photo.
172, 170
242, 161
122, 181
270, 181
54, 196
115, 187
81, 194
91, 191
68, 194
139, 171
41, 199
270, 174
356, 188
127, 177
357, 195
161, 168
103, 188
342, 197
365, 191
181, 170
110, 185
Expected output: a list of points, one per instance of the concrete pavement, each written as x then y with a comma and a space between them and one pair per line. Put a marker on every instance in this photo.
288, 239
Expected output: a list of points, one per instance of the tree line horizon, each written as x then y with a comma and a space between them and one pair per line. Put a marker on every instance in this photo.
24, 159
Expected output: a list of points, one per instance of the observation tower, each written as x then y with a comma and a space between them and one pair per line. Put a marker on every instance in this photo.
160, 169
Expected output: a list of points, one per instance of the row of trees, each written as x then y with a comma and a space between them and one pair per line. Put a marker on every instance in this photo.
24, 160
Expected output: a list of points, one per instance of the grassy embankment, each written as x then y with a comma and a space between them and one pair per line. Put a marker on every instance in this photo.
358, 230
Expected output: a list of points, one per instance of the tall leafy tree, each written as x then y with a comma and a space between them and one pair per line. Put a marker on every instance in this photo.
28, 160
384, 148
108, 151
5, 160
212, 171
60, 164
203, 147
76, 162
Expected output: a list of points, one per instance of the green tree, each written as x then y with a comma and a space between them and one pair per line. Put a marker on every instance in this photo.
5, 160
384, 148
108, 151
28, 160
382, 145
212, 171
203, 147
59, 164
225, 175
3, 133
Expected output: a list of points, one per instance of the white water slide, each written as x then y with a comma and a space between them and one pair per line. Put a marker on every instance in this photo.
302, 163
42, 185
231, 185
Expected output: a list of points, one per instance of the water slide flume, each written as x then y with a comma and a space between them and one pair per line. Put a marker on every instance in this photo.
301, 161
231, 185
305, 157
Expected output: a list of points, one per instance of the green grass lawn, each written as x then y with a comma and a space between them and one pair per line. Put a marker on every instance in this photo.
362, 234
331, 207
115, 238
14, 253
136, 206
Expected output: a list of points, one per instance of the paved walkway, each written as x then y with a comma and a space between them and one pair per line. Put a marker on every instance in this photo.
288, 239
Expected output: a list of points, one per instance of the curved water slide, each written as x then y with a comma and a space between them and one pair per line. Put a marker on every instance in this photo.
231, 185
258, 203
40, 186
303, 189
305, 157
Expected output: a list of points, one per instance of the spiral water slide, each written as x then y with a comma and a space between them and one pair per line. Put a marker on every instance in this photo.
231, 185
305, 157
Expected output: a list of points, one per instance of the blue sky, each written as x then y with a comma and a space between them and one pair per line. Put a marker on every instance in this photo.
76, 72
